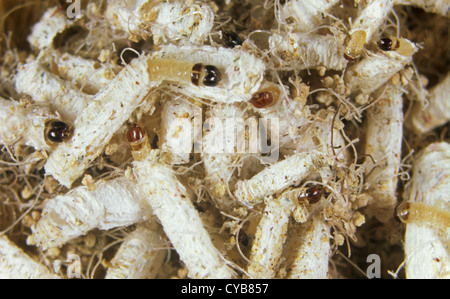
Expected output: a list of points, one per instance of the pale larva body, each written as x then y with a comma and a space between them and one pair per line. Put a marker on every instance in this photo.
242, 72
420, 213
183, 72
366, 26
375, 69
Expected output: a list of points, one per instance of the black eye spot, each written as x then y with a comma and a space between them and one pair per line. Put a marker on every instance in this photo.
385, 44
58, 131
212, 76
231, 39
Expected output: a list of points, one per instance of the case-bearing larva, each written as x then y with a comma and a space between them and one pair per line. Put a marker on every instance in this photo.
410, 212
87, 74
176, 20
384, 135
269, 238
25, 123
43, 86
16, 264
279, 176
308, 249
104, 205
49, 26
183, 72
180, 220
96, 124
437, 113
217, 160
141, 254
427, 214
377, 68
304, 51
242, 72
366, 25
177, 129
305, 15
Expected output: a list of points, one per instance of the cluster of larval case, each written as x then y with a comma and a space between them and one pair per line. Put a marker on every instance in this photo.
253, 138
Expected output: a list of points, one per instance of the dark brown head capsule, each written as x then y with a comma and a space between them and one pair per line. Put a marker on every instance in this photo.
262, 99
207, 75
313, 194
385, 44
231, 39
57, 131
135, 133
211, 76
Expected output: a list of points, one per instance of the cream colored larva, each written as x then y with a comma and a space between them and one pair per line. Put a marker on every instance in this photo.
173, 206
184, 72
410, 212
366, 26
377, 67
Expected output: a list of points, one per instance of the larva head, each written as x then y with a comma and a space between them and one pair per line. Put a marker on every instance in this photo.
231, 39
312, 195
262, 99
57, 131
385, 44
138, 140
402, 212
267, 95
212, 75
206, 75
135, 133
